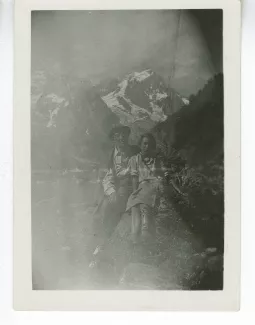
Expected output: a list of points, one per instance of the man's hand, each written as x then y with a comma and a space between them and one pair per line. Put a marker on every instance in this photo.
113, 197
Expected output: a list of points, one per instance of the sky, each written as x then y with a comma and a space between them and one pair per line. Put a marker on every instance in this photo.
182, 46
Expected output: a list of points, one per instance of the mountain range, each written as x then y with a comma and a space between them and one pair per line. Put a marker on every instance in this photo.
142, 95
73, 116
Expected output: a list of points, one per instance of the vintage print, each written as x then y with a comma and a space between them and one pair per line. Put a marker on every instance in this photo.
127, 149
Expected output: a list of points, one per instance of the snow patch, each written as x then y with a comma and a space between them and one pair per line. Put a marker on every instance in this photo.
160, 96
55, 98
123, 85
53, 113
140, 76
185, 101
156, 95
60, 102
157, 114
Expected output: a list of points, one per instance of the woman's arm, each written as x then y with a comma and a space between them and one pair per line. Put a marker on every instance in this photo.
135, 182
134, 172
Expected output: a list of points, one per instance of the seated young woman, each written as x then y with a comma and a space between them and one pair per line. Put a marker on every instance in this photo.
148, 174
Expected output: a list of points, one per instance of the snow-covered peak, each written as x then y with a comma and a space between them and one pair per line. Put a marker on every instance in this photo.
142, 96
123, 100
56, 103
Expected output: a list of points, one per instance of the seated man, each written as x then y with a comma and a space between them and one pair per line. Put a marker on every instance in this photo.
117, 188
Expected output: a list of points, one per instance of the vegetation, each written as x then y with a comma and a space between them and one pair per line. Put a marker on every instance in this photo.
192, 142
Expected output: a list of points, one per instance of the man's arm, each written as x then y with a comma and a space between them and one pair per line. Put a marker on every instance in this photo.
122, 172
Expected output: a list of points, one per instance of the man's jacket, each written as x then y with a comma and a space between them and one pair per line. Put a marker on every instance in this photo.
118, 170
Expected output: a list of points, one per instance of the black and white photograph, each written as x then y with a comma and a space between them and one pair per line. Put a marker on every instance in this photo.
127, 155
127, 149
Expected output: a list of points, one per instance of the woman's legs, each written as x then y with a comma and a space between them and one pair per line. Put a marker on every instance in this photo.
136, 223
148, 223
111, 214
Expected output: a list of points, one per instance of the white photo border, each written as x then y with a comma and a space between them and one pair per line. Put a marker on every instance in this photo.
27, 299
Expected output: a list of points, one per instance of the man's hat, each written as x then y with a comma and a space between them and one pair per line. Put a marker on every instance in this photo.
119, 129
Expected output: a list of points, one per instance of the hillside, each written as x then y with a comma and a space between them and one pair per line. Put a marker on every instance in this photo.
196, 130
192, 140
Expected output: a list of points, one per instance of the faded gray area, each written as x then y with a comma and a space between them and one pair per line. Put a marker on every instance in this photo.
101, 44
62, 229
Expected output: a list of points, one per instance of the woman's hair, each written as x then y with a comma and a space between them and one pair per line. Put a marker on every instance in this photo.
150, 137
